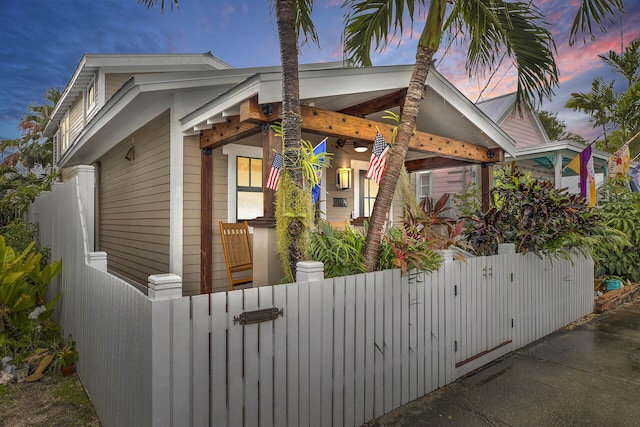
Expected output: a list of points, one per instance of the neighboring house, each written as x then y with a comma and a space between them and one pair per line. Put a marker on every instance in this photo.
182, 141
534, 153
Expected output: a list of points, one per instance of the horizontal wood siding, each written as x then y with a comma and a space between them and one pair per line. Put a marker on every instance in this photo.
450, 180
220, 167
113, 82
522, 130
191, 217
134, 203
75, 119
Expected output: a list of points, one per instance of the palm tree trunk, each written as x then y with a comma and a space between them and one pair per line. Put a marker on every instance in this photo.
395, 162
285, 19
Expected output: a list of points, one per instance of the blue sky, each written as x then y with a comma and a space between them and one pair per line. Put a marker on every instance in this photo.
43, 41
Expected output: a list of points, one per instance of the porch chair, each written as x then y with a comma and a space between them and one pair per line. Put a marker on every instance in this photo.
238, 254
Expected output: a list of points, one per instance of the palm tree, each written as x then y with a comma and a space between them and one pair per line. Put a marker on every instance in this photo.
489, 27
599, 104
293, 19
30, 149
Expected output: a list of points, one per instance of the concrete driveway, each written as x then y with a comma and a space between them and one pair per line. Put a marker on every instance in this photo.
587, 374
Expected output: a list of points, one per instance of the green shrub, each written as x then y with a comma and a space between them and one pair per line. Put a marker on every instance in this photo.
619, 209
535, 216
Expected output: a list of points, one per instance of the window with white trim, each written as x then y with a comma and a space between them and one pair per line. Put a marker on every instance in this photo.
249, 195
64, 133
368, 194
233, 152
423, 185
90, 95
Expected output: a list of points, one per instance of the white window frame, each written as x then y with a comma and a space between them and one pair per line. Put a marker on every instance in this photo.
357, 166
418, 175
91, 101
64, 133
233, 151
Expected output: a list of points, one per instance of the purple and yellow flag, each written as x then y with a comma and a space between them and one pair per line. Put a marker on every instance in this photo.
582, 164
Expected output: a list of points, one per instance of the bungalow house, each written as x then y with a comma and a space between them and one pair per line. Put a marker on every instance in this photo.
182, 141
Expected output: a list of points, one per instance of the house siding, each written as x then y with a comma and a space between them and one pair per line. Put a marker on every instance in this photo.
191, 217
134, 203
220, 201
75, 119
113, 82
522, 129
451, 180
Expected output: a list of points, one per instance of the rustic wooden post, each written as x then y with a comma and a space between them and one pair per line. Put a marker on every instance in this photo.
206, 220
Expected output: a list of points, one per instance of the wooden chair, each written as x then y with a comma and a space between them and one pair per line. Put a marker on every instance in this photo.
238, 254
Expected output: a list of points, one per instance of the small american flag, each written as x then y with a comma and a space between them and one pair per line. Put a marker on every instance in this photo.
274, 172
378, 161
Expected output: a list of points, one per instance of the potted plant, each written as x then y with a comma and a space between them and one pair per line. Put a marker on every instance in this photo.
67, 356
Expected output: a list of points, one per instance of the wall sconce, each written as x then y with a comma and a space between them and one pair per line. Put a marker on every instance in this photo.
131, 154
343, 178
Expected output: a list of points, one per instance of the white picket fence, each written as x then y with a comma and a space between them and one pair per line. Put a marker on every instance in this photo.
339, 352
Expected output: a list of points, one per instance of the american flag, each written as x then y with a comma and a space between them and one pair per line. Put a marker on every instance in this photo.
274, 172
378, 161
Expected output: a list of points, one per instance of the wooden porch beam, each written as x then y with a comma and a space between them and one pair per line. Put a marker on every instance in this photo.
385, 102
230, 131
432, 163
340, 125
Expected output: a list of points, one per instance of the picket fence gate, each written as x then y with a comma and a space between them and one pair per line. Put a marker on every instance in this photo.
330, 352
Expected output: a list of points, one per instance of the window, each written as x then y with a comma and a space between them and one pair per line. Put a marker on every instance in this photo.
423, 185
368, 193
91, 95
233, 152
249, 195
64, 133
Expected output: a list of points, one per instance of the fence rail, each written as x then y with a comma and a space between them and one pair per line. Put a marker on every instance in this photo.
340, 351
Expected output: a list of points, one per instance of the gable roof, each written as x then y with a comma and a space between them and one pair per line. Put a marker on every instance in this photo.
338, 88
221, 88
126, 63
500, 107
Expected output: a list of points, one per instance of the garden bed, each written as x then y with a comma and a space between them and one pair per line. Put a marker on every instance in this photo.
614, 298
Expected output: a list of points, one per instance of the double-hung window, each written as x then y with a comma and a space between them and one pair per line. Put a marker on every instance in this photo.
368, 193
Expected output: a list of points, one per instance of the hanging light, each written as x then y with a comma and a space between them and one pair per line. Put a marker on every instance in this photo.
360, 146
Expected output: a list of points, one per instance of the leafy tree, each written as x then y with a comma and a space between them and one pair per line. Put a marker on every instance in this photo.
557, 129
32, 149
608, 107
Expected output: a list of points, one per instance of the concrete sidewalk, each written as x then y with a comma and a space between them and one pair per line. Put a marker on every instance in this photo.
585, 375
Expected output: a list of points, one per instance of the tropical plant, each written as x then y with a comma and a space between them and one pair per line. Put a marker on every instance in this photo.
22, 286
619, 209
67, 354
609, 108
32, 149
535, 216
430, 223
339, 250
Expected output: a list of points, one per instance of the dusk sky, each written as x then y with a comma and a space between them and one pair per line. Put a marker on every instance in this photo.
43, 41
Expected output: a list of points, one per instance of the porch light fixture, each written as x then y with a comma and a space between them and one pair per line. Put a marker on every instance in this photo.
360, 147
343, 178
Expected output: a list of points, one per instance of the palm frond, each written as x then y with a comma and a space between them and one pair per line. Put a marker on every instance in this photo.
517, 29
373, 21
598, 12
